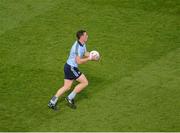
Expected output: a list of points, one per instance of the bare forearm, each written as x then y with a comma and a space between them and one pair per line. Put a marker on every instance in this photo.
83, 60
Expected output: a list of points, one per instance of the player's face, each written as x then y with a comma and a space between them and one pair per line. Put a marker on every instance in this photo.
85, 37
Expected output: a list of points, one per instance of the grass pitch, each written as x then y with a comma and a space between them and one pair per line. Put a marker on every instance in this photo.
135, 86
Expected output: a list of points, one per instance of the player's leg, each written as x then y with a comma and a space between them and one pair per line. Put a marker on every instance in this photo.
67, 85
83, 82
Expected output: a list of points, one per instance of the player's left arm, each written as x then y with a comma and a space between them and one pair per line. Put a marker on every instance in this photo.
86, 54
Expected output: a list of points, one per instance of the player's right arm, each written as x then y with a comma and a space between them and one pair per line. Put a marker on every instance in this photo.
80, 60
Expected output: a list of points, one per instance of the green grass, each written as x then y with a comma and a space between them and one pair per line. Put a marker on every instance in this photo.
135, 87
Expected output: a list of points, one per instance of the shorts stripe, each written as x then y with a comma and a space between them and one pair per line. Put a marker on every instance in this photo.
74, 72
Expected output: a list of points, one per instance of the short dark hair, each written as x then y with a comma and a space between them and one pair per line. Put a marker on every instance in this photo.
80, 33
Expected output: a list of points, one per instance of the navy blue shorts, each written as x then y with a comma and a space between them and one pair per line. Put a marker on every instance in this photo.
71, 73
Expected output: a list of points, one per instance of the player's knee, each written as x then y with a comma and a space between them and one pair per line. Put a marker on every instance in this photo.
86, 83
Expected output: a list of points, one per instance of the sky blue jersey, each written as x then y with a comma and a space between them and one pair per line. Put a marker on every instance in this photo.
77, 49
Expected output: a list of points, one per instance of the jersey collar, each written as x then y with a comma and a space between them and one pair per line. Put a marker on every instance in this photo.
80, 43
